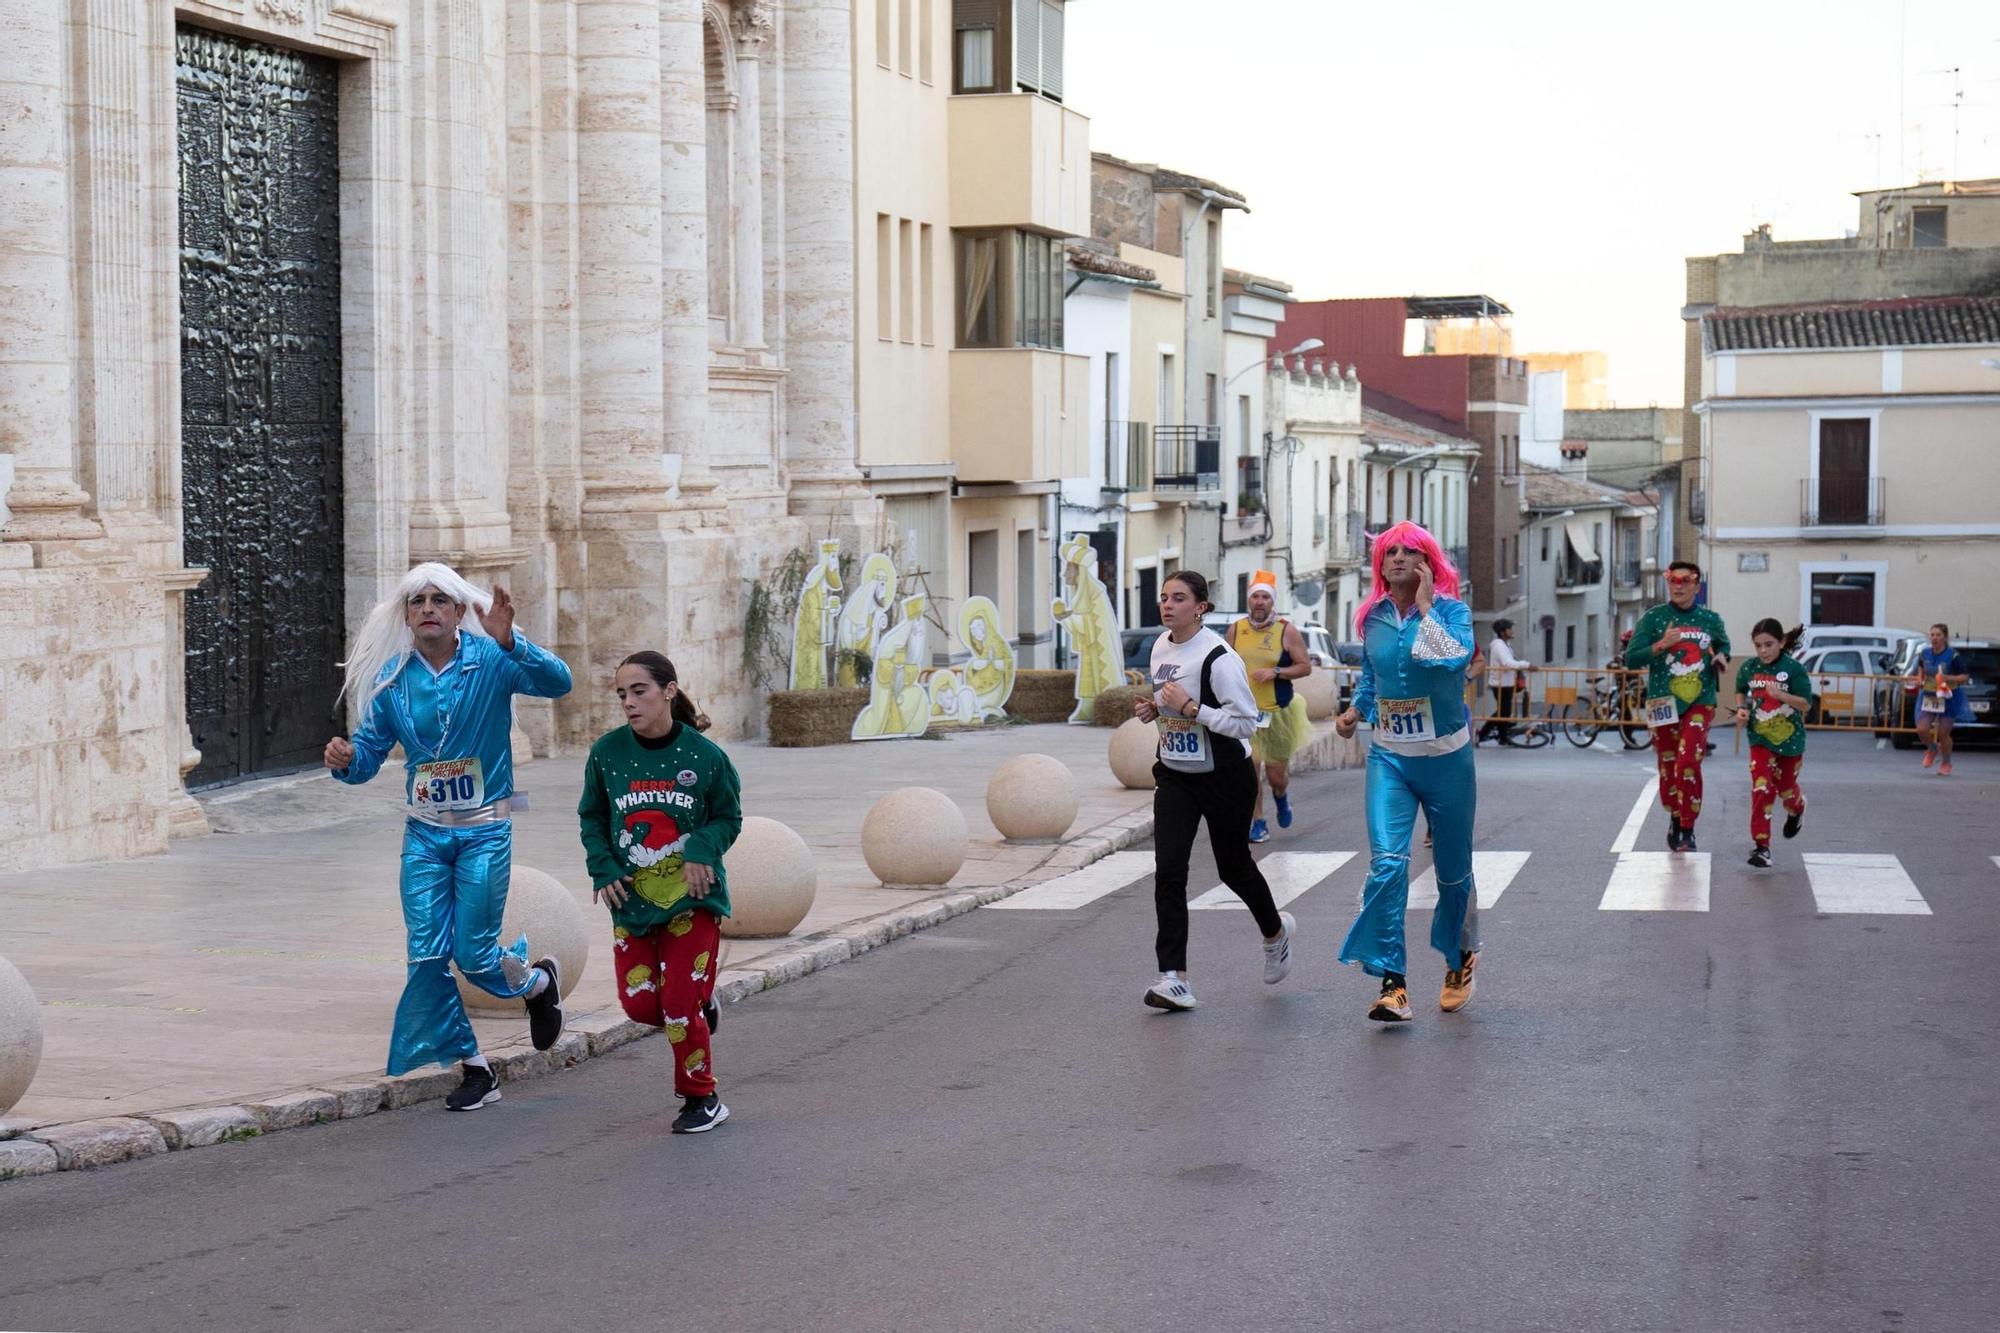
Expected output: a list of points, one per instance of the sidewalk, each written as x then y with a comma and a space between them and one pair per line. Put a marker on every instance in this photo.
243, 970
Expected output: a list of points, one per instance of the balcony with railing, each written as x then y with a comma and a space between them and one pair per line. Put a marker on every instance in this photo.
1128, 456
1249, 485
1841, 501
1187, 460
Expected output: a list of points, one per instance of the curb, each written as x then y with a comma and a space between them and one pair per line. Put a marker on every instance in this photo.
80, 1145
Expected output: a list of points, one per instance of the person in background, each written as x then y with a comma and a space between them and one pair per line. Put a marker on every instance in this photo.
1274, 653
1504, 673
1938, 674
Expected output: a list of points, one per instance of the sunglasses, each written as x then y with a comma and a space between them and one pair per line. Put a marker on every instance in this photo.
1683, 579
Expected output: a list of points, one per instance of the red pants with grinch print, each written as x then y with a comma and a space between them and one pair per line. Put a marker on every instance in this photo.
664, 977
1681, 748
1773, 777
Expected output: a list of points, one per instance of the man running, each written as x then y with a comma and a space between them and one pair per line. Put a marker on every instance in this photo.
1416, 639
1684, 649
426, 675
1937, 674
1274, 653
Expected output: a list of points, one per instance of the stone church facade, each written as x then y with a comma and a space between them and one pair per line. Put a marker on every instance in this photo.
301, 292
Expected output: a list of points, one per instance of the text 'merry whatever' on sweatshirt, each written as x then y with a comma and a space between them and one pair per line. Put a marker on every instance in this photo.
651, 806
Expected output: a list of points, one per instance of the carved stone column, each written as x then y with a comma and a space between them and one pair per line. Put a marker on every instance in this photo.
820, 435
619, 249
37, 374
682, 199
754, 28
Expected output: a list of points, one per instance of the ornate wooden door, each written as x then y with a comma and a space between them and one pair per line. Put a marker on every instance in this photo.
260, 400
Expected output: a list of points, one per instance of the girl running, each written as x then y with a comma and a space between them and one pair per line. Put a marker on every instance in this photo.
661, 804
1774, 696
1206, 712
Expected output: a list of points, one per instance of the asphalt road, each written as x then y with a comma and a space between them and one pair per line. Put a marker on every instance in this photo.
1757, 1117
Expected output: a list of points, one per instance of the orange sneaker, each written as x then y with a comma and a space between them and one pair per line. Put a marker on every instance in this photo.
1392, 1005
1944, 769
1930, 757
1458, 985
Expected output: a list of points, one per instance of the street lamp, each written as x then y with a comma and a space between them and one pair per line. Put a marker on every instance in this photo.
1309, 345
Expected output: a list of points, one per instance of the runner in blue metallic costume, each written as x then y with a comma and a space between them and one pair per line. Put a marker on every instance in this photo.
1417, 640
441, 682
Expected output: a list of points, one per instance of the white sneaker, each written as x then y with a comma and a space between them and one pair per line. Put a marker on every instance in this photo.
1278, 952
1170, 992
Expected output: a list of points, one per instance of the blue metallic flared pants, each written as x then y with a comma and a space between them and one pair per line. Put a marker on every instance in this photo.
454, 892
1397, 785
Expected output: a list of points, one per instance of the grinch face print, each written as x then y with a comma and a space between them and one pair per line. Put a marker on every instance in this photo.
1769, 717
1685, 662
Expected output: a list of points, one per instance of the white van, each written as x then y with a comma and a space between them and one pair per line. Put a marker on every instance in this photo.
1856, 636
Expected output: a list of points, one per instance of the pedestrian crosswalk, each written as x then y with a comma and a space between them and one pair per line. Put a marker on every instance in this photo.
1288, 873
1842, 884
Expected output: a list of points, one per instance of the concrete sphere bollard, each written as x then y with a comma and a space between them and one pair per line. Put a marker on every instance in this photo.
772, 880
1032, 796
547, 913
20, 1035
1134, 746
1321, 692
914, 836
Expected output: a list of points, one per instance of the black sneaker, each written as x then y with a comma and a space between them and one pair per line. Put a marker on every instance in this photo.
545, 1014
1792, 823
1760, 856
700, 1114
1687, 840
1673, 834
478, 1089
711, 1015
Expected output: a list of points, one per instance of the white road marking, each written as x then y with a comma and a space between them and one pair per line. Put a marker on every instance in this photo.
1492, 872
1628, 837
1658, 882
1865, 882
1288, 873
1068, 892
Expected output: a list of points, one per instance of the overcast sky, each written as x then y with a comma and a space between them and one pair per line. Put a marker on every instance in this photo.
1563, 157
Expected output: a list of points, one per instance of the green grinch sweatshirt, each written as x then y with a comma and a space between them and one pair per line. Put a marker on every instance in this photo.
1685, 672
651, 806
1775, 726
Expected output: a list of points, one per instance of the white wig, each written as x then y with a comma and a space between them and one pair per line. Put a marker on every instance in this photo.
385, 636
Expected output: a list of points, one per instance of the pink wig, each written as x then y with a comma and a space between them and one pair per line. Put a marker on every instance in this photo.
1444, 574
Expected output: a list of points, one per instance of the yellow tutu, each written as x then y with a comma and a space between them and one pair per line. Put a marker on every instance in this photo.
1290, 728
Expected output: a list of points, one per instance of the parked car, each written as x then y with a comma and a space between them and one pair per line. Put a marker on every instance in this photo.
1830, 664
1897, 705
1138, 646
1855, 636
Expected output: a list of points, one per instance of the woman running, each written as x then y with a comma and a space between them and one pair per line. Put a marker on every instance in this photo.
1774, 696
661, 804
1938, 674
1206, 712
1416, 640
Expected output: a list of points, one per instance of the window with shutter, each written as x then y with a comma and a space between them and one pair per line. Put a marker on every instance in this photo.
1028, 44
1052, 49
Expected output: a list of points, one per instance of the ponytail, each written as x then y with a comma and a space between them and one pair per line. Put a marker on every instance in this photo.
662, 671
1788, 639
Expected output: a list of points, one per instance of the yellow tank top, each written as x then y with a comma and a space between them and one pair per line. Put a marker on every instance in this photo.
1260, 650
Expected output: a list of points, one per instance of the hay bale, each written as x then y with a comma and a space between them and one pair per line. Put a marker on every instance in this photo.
1114, 706
1043, 695
801, 718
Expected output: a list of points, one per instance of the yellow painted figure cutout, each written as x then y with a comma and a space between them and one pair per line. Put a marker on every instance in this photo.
864, 619
990, 672
898, 704
813, 625
952, 700
1085, 609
